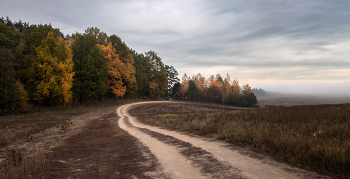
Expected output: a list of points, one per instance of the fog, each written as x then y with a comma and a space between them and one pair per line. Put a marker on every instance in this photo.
315, 89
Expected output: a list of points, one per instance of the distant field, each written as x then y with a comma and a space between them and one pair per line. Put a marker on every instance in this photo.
292, 100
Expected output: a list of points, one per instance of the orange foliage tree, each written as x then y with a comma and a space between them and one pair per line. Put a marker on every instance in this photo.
218, 90
118, 71
184, 85
124, 56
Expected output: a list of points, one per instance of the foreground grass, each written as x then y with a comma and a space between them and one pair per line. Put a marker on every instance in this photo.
18, 127
313, 137
20, 163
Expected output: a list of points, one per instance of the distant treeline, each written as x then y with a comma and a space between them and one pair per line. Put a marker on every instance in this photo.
41, 66
259, 92
215, 89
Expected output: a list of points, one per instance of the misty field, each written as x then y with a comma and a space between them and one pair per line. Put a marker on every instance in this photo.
315, 137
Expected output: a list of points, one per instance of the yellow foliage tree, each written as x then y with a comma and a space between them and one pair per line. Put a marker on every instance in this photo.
118, 71
52, 70
247, 89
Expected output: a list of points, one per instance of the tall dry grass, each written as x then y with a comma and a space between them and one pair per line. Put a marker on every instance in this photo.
23, 164
313, 137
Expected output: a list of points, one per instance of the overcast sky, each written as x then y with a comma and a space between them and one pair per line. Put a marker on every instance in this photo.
262, 42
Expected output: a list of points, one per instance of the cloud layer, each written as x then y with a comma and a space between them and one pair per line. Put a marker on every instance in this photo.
259, 42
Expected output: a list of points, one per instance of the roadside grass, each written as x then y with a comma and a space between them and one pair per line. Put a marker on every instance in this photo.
313, 137
23, 164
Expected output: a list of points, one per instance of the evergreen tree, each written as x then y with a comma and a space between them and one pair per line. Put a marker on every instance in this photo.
97, 35
9, 97
171, 74
193, 91
10, 94
157, 80
176, 89
142, 72
90, 69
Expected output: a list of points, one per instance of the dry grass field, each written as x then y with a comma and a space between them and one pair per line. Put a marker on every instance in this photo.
26, 139
315, 137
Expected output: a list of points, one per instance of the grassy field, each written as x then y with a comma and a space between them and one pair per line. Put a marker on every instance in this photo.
315, 137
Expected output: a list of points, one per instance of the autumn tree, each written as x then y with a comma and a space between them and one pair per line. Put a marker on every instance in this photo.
184, 85
127, 58
90, 69
51, 71
247, 97
226, 89
117, 71
234, 93
214, 88
201, 84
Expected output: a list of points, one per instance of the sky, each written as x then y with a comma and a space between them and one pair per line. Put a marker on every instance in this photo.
279, 45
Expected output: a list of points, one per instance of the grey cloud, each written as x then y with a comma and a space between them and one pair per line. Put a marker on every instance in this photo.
267, 35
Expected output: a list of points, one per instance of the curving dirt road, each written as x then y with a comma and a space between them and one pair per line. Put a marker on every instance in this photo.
183, 156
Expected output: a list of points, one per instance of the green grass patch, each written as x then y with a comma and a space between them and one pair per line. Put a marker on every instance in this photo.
165, 115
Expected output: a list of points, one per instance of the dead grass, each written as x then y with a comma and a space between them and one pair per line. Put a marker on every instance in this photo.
15, 128
22, 164
18, 127
313, 137
25, 163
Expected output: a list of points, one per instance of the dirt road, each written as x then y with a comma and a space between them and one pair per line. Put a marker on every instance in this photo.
183, 156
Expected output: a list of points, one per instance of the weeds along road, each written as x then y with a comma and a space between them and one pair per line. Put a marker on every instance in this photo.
183, 156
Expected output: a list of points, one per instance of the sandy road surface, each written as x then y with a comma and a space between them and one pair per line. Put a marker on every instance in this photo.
182, 156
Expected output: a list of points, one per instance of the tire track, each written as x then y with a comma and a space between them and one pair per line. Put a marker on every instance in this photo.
173, 163
209, 166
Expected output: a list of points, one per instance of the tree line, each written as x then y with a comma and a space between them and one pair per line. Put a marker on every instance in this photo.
41, 66
215, 89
